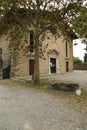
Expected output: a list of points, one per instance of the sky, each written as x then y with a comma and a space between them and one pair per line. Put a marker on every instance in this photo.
78, 50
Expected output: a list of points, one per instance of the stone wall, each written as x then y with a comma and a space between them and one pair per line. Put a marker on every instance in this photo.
4, 57
80, 66
56, 49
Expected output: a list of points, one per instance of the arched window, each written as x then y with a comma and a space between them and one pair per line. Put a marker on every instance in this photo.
67, 49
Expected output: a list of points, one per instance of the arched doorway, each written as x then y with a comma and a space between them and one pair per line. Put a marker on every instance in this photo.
53, 61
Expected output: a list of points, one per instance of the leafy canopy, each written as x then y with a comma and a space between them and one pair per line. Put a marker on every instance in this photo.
46, 14
80, 24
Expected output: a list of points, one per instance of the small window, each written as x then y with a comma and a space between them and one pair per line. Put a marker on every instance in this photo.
31, 41
67, 66
67, 50
1, 62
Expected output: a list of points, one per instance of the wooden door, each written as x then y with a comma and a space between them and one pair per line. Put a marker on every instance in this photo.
53, 65
67, 66
31, 67
6, 72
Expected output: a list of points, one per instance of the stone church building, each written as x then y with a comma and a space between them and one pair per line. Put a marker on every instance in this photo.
57, 58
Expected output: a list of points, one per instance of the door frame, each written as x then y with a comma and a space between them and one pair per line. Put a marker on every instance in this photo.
31, 72
53, 65
67, 66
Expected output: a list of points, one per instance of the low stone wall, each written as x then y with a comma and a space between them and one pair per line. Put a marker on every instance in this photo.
66, 86
80, 66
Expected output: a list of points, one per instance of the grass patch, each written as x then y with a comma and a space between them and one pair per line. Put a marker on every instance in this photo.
71, 97
12, 83
16, 83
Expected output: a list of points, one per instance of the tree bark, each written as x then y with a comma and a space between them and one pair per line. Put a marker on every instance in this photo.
36, 65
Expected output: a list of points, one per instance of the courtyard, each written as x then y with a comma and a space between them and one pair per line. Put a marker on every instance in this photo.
28, 108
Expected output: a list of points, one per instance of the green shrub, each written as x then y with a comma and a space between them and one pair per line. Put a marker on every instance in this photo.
76, 60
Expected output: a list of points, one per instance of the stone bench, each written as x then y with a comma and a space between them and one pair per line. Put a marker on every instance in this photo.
65, 86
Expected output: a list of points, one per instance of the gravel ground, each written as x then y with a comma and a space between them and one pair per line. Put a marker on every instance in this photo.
28, 109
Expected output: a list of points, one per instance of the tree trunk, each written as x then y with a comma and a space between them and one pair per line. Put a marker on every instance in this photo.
36, 65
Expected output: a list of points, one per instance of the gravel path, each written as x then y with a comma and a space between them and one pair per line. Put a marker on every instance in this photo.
27, 109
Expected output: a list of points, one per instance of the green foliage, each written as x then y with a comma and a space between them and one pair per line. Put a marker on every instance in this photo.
76, 60
18, 16
42, 13
80, 24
